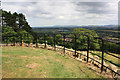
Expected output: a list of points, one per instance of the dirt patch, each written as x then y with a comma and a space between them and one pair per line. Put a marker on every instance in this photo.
23, 56
36, 57
5, 55
33, 65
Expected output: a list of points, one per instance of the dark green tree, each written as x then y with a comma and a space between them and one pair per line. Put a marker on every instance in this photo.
9, 35
82, 39
16, 23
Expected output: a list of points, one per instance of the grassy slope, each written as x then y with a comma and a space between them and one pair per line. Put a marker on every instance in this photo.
109, 57
16, 63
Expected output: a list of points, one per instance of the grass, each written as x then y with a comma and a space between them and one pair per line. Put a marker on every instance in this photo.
18, 62
113, 59
109, 57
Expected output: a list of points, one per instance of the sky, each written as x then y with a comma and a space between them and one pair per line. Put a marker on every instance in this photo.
65, 12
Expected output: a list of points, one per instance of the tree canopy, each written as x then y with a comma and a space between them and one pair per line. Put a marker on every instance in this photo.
15, 24
82, 38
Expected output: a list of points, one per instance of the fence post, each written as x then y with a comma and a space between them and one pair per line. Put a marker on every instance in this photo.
21, 39
88, 42
14, 40
11, 39
75, 46
36, 42
54, 42
7, 41
102, 56
64, 42
45, 41
28, 40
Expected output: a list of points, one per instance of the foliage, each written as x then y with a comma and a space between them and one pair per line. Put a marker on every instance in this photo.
7, 31
15, 25
26, 37
81, 39
50, 40
112, 47
58, 39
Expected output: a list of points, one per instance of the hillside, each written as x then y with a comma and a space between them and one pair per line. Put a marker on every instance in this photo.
28, 62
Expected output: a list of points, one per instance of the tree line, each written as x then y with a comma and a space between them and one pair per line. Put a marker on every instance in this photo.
15, 24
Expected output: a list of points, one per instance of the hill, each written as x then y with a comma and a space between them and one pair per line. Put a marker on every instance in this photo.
28, 62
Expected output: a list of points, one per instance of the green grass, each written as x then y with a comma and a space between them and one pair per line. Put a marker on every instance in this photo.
108, 57
16, 62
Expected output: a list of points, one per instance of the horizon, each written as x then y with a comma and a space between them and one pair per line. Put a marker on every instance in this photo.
114, 25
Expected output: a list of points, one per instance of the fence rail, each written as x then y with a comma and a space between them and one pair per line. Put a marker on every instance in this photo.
44, 38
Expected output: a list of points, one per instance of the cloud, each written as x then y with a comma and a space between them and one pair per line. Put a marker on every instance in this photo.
95, 7
61, 0
64, 12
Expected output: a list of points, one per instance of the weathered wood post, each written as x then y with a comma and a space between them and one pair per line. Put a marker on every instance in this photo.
22, 43
54, 42
88, 42
45, 41
36, 42
7, 40
14, 41
28, 40
21, 39
75, 45
64, 43
102, 56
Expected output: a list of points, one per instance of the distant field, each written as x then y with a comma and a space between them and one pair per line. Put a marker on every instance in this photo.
105, 32
27, 62
110, 31
109, 57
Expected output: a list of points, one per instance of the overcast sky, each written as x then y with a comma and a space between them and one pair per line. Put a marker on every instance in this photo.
65, 12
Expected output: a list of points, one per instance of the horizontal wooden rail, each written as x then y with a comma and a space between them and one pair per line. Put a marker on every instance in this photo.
112, 55
112, 70
112, 63
96, 54
106, 60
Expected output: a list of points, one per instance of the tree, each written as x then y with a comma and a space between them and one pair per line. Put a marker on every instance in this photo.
82, 39
9, 35
16, 23
59, 39
26, 37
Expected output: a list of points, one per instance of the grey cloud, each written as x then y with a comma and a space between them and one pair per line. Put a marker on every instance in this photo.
91, 4
17, 3
93, 7
40, 11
